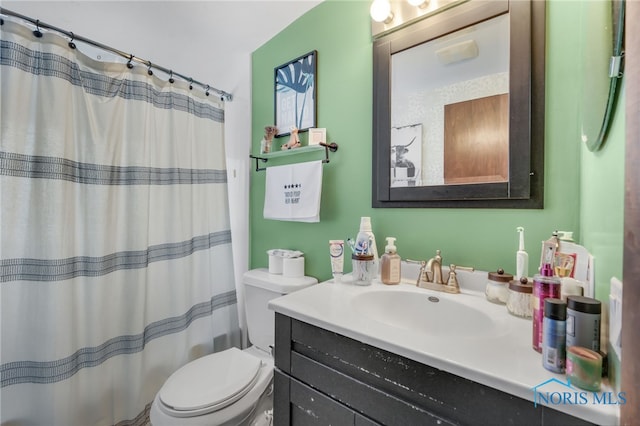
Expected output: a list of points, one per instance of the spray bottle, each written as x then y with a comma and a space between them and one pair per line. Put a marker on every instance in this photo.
545, 286
522, 257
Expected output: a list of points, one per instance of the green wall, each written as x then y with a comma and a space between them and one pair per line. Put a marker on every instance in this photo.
486, 239
602, 202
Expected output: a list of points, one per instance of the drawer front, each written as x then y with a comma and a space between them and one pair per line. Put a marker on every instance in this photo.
302, 405
361, 397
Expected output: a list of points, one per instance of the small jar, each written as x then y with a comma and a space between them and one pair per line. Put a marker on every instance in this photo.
363, 268
497, 290
519, 300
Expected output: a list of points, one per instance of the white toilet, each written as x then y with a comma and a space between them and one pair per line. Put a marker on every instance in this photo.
232, 387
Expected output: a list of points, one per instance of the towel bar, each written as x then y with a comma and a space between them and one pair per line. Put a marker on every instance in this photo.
332, 146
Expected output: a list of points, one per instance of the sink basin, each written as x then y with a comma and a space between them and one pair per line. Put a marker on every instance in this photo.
431, 313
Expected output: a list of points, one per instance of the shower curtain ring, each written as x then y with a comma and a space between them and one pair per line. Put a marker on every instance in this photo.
37, 31
191, 84
171, 80
206, 91
129, 64
71, 43
149, 68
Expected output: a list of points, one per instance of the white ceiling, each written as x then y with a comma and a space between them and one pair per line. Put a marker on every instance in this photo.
195, 38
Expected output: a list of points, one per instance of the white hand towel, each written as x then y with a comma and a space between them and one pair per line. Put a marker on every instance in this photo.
292, 192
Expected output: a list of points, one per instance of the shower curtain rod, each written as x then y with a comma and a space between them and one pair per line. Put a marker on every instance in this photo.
224, 96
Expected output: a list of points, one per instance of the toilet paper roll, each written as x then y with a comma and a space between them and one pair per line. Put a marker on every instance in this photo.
275, 264
293, 267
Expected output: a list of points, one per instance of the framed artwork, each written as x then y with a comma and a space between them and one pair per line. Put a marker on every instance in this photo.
295, 94
317, 136
406, 156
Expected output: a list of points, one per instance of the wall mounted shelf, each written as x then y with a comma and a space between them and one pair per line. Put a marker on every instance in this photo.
332, 146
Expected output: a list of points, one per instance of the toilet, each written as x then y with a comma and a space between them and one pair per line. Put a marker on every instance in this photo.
232, 387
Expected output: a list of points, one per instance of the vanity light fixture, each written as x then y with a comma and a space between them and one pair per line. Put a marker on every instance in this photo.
381, 11
391, 15
419, 3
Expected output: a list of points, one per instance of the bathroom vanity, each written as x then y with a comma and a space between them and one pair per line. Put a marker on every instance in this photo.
399, 355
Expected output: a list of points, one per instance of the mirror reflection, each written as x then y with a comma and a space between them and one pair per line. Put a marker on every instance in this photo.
458, 108
450, 108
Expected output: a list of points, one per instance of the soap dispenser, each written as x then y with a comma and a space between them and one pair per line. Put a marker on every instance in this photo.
390, 266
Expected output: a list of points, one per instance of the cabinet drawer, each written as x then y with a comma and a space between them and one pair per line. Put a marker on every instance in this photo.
299, 404
361, 397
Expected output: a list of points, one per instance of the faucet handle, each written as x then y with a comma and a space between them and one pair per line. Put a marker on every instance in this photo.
462, 268
422, 275
423, 264
453, 278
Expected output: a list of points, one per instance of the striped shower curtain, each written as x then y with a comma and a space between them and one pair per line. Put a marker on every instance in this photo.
115, 239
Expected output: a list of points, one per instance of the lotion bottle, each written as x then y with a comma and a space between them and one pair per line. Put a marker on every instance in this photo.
522, 258
390, 266
366, 241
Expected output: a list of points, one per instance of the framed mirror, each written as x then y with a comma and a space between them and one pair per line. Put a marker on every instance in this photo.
602, 30
459, 108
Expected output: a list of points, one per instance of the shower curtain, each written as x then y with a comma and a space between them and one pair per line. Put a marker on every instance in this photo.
115, 239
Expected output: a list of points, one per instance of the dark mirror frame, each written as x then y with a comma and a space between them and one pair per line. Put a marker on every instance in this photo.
525, 188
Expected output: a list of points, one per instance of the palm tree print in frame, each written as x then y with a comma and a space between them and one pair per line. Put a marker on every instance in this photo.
295, 94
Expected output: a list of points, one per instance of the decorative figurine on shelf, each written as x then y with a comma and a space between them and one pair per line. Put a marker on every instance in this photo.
294, 140
265, 143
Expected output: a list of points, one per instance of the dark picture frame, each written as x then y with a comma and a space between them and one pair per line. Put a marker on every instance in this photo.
295, 94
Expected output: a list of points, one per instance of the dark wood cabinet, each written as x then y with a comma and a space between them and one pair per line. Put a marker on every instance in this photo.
303, 405
324, 378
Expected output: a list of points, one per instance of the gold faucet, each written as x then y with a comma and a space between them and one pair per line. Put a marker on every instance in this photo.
434, 269
430, 275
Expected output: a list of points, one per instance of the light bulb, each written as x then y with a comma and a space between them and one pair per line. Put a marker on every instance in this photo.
381, 10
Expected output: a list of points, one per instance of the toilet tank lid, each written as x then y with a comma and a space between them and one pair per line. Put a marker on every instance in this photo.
276, 282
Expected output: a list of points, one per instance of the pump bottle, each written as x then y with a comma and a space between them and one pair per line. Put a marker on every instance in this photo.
390, 266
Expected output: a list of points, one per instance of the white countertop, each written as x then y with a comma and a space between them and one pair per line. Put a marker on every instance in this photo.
504, 361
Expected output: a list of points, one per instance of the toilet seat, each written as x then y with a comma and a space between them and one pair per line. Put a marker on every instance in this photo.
210, 383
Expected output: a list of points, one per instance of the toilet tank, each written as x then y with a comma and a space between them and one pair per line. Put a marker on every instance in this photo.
259, 288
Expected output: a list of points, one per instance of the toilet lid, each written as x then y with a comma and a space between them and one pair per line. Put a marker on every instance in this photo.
210, 383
